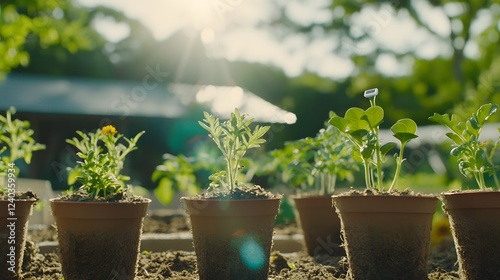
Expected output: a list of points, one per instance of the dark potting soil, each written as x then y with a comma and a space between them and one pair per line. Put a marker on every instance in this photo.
367, 192
240, 193
81, 195
182, 265
28, 195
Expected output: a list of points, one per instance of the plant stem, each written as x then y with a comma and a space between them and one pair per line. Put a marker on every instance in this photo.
229, 172
366, 165
477, 177
322, 190
497, 183
331, 183
379, 159
398, 167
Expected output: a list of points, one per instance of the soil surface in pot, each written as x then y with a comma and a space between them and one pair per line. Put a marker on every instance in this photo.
182, 265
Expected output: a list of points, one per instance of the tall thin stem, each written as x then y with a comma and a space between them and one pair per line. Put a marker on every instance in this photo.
366, 165
398, 167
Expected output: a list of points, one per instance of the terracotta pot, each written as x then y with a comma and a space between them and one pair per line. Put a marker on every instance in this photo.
12, 236
232, 238
320, 225
474, 219
98, 240
386, 237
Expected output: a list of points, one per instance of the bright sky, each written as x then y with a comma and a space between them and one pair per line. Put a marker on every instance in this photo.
229, 28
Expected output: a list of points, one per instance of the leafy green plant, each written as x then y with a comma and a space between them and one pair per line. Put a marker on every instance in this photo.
362, 128
295, 162
475, 159
16, 142
102, 157
315, 164
176, 173
234, 138
333, 159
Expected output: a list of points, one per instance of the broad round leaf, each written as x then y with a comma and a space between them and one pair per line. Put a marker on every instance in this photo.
374, 115
387, 147
339, 123
354, 119
405, 137
404, 126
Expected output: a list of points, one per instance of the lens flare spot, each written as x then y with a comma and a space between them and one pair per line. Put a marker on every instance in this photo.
252, 254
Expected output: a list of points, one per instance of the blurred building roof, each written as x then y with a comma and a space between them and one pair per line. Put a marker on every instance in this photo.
83, 96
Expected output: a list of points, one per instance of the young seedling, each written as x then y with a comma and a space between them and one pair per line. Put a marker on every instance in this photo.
362, 128
99, 169
16, 139
16, 143
234, 138
474, 159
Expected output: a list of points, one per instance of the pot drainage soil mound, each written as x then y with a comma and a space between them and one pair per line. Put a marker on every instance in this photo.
182, 265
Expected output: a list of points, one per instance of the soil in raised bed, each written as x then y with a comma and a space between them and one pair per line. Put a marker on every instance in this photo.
182, 265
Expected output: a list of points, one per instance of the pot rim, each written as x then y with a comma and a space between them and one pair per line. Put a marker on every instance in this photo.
385, 204
58, 200
20, 200
468, 192
192, 198
389, 196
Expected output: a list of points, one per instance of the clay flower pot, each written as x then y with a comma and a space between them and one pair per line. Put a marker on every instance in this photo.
385, 236
12, 236
474, 220
99, 240
232, 238
320, 225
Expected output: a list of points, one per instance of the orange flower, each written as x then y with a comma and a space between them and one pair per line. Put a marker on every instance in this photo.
109, 130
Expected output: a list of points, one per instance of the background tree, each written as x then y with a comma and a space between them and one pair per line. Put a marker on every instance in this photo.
462, 75
48, 23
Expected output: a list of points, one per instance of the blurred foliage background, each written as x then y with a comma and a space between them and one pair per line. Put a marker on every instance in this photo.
462, 71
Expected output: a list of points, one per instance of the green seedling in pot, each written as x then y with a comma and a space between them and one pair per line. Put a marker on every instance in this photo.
362, 128
16, 143
315, 164
234, 138
102, 156
177, 173
475, 157
295, 162
333, 159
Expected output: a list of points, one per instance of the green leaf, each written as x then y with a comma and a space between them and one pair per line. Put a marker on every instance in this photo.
374, 116
452, 123
358, 135
387, 147
164, 192
339, 122
354, 118
404, 126
485, 112
405, 137
481, 158
454, 138
474, 122
73, 174
404, 130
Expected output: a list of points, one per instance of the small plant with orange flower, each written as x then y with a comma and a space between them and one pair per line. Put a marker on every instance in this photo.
102, 155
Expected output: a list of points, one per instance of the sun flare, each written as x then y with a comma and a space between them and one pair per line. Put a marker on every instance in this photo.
200, 13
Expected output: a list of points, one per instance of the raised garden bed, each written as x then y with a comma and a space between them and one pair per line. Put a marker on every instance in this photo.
163, 256
182, 265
